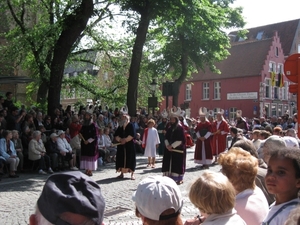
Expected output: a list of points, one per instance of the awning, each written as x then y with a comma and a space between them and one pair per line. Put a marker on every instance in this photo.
15, 79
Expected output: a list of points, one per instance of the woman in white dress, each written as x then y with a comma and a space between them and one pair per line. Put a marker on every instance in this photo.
150, 142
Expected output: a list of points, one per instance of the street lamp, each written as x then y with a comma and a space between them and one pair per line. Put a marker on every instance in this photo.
153, 85
152, 101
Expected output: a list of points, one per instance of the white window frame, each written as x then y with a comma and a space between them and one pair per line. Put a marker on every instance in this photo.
272, 66
276, 92
232, 113
205, 90
285, 90
217, 90
188, 92
268, 88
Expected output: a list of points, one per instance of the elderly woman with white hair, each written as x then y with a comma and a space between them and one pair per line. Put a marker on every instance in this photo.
37, 151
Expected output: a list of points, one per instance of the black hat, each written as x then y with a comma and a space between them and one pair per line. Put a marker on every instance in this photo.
71, 192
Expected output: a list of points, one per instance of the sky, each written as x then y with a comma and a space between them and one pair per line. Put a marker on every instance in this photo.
263, 12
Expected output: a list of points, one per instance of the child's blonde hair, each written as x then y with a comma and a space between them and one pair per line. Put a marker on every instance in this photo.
212, 193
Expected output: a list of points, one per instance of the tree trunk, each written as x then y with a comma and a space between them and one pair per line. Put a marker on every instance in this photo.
42, 93
184, 72
134, 71
74, 24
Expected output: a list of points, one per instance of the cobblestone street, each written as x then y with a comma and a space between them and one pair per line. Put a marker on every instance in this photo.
18, 196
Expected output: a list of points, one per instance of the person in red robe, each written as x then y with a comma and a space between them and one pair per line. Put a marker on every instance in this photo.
220, 131
203, 152
188, 139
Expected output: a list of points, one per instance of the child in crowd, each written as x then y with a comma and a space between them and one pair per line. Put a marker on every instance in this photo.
283, 180
213, 194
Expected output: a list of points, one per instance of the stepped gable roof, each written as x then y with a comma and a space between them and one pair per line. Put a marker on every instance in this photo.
286, 32
246, 59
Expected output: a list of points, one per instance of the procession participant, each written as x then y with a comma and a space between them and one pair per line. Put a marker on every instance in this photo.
174, 159
69, 198
188, 140
203, 152
158, 201
89, 144
126, 156
161, 129
220, 130
150, 142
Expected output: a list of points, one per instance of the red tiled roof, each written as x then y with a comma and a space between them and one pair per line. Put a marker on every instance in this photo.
246, 59
286, 32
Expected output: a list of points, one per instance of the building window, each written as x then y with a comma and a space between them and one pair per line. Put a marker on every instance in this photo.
217, 90
276, 51
280, 110
276, 94
285, 91
205, 88
274, 109
232, 114
188, 92
259, 35
268, 88
272, 67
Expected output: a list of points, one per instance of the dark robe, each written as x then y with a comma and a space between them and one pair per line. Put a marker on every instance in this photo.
126, 156
160, 128
90, 151
174, 163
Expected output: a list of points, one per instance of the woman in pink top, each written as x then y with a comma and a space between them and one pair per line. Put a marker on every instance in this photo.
241, 169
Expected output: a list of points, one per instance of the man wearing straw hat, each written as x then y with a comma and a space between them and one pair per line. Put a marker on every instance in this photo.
174, 160
203, 151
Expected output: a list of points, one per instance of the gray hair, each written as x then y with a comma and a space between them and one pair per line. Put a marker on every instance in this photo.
36, 133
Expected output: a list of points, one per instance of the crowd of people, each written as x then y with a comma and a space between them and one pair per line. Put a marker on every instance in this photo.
258, 183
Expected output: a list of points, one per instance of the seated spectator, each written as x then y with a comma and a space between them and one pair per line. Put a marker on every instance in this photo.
158, 200
37, 151
28, 122
61, 203
248, 146
64, 146
18, 147
103, 151
47, 124
8, 152
241, 169
283, 180
67, 135
55, 154
109, 145
38, 121
1, 102
2, 124
213, 194
43, 135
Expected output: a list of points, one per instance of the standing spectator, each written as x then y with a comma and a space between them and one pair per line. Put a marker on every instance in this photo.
150, 142
8, 152
138, 143
126, 156
158, 200
37, 151
14, 120
1, 102
38, 121
8, 102
218, 208
220, 130
103, 151
203, 151
241, 169
2, 124
255, 139
62, 203
161, 129
283, 180
256, 124
89, 144
235, 136
57, 120
174, 159
64, 146
18, 147
28, 122
47, 124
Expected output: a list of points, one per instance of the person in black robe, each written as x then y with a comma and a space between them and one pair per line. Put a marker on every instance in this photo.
126, 156
174, 159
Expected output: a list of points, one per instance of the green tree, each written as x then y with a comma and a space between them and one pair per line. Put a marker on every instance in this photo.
192, 37
42, 36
